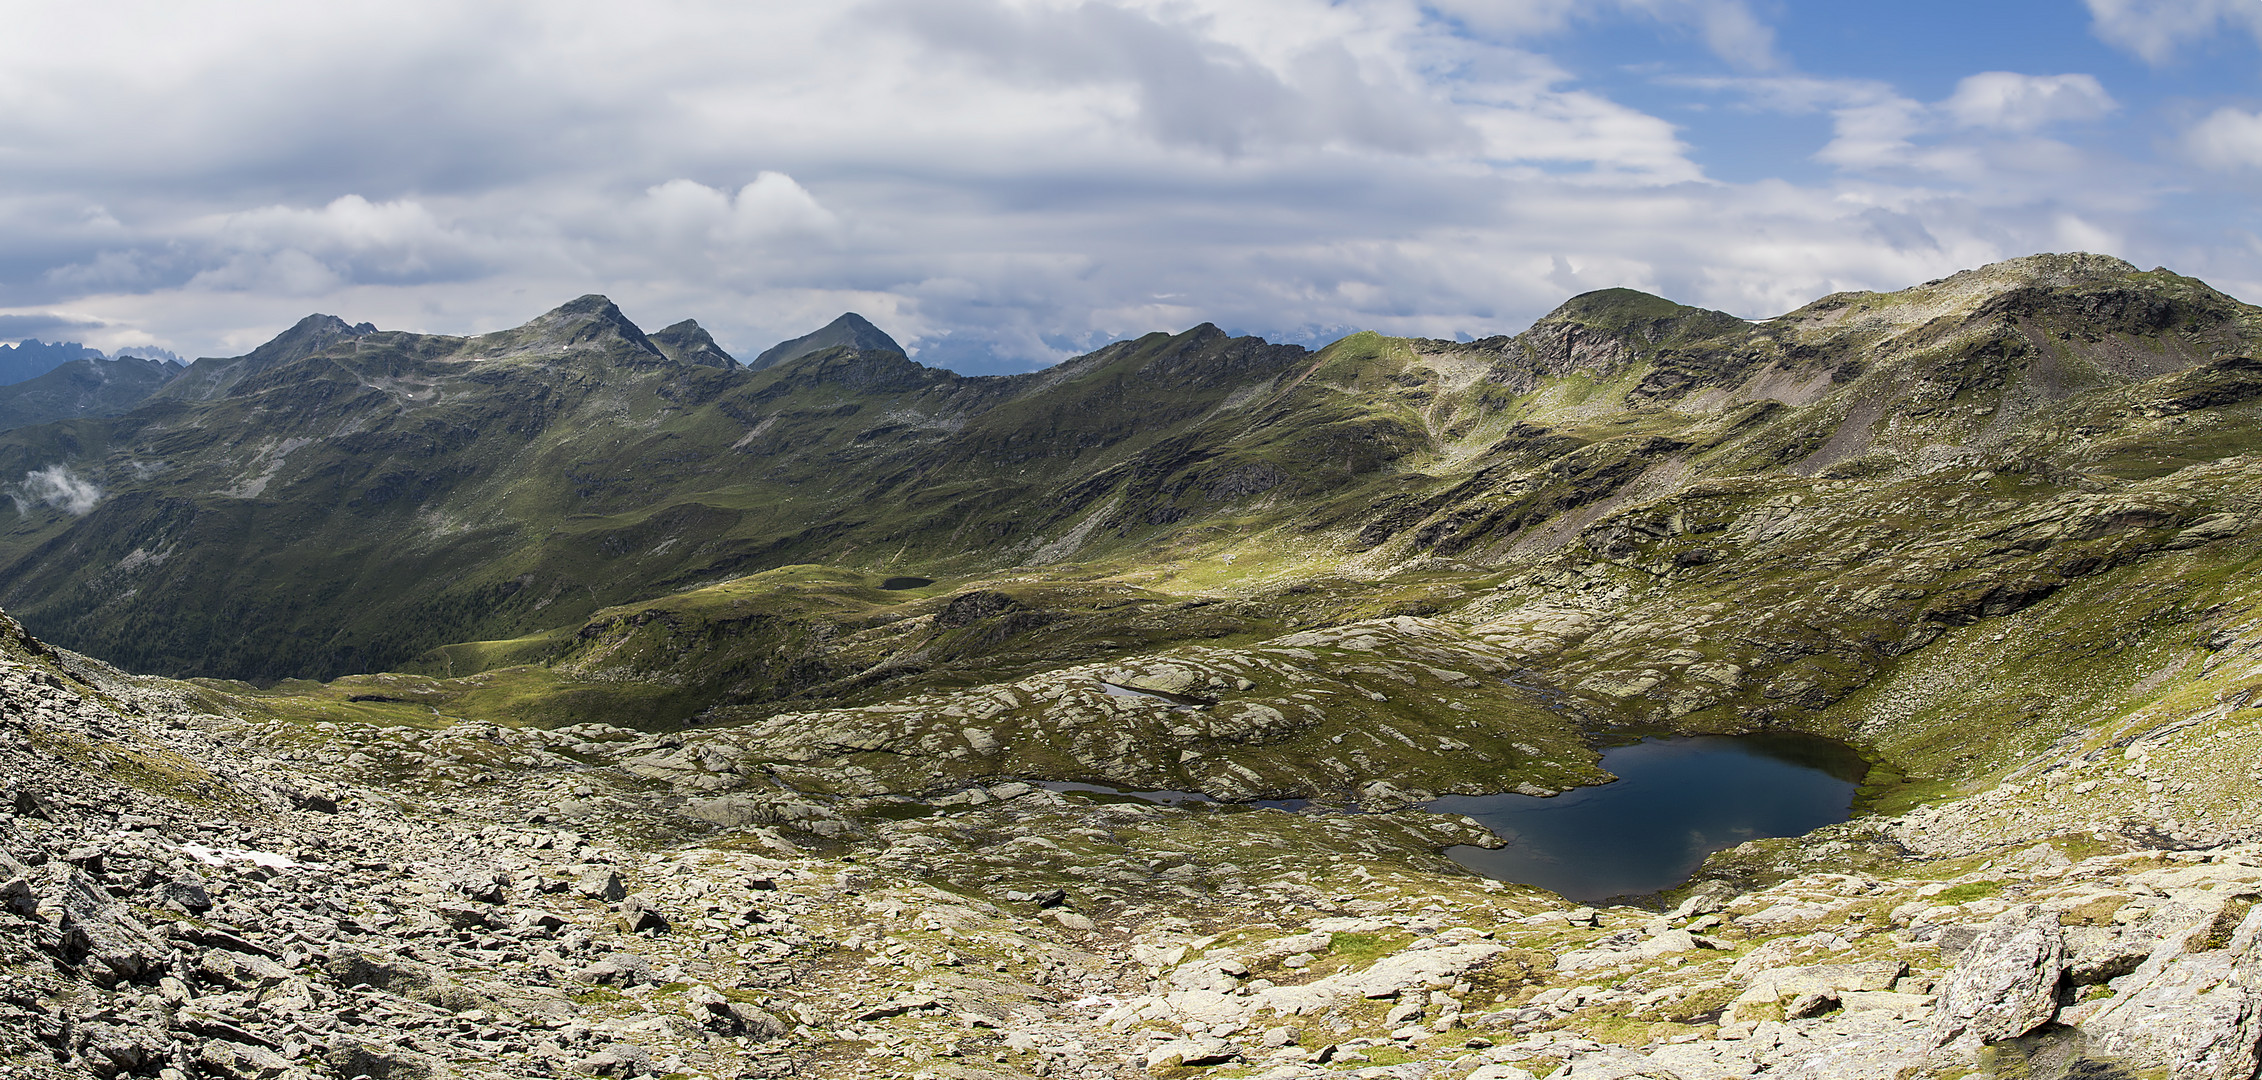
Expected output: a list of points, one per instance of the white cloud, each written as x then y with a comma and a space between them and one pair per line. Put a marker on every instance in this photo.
1986, 135
1729, 28
997, 182
2228, 139
772, 207
2155, 29
2008, 101
56, 486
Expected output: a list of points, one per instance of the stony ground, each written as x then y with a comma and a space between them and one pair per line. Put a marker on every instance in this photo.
190, 893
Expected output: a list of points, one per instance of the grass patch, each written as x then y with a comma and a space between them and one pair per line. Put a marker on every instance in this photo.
1365, 948
1968, 891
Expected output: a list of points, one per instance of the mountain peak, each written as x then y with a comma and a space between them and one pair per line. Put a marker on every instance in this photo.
687, 342
850, 329
590, 323
210, 377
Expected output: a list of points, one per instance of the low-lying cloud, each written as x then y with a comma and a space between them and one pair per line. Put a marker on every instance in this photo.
56, 486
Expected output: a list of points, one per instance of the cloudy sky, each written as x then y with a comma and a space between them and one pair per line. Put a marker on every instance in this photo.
1001, 183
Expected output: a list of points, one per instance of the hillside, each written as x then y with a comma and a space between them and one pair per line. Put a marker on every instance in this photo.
89, 386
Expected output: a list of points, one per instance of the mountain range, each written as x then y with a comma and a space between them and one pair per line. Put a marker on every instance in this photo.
612, 706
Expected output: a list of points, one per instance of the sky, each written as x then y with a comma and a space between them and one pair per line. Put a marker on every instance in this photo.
1001, 184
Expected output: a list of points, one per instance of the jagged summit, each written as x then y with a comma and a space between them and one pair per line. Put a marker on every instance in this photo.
687, 342
211, 377
586, 324
851, 330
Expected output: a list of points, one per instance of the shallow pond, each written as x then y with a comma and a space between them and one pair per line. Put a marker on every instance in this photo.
1675, 801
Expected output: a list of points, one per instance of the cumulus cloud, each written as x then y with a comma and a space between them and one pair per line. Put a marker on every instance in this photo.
772, 207
2228, 139
309, 251
2008, 101
2155, 29
56, 486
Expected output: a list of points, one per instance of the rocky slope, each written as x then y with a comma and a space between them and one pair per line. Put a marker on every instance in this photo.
191, 892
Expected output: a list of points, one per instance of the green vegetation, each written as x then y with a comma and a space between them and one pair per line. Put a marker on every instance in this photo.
1968, 891
1364, 948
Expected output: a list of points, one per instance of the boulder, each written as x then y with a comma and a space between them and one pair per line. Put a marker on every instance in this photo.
110, 945
734, 1019
187, 890
1816, 984
617, 969
18, 898
2192, 1015
601, 883
640, 914
2005, 983
1194, 1052
617, 1060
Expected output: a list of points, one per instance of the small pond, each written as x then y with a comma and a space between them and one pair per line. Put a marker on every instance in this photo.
1675, 801
898, 584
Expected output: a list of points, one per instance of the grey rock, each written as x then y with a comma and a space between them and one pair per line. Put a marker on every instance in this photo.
18, 897
483, 888
619, 1060
1194, 1052
187, 890
618, 969
640, 914
96, 927
2006, 983
2096, 954
601, 883
1809, 1005
108, 1050
210, 1025
732, 811
733, 1018
466, 916
2193, 1015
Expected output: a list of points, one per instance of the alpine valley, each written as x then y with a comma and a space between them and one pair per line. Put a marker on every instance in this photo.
575, 699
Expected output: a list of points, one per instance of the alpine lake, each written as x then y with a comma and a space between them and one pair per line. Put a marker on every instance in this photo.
1675, 801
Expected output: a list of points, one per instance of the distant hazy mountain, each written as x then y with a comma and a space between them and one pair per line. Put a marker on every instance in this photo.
87, 386
849, 331
34, 358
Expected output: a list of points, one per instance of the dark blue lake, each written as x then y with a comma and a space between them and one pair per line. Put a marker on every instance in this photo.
1675, 801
